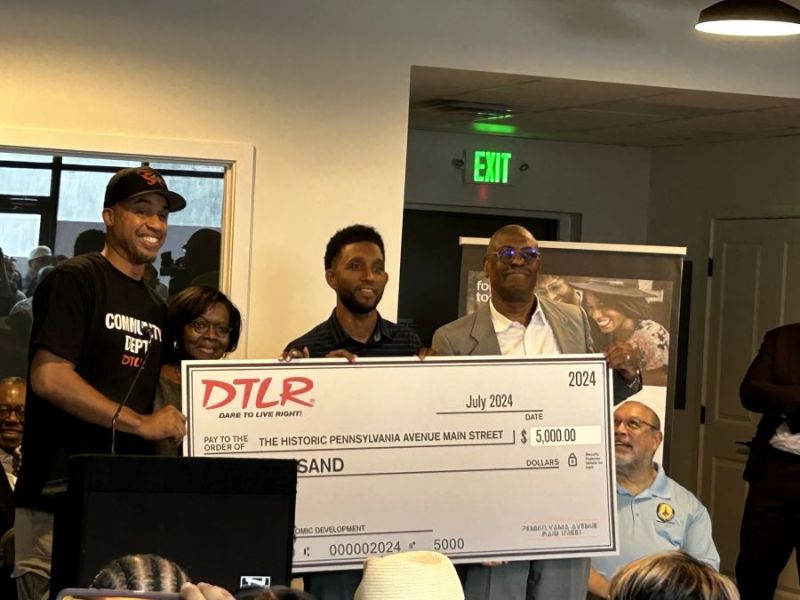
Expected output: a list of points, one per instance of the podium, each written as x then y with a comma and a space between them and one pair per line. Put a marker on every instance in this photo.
224, 520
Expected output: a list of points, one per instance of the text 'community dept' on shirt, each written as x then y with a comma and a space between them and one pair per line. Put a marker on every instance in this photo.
104, 322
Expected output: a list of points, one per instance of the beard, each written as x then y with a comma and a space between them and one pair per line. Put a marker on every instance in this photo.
355, 306
128, 249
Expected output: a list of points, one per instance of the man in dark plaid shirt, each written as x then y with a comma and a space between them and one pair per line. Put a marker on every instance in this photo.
355, 270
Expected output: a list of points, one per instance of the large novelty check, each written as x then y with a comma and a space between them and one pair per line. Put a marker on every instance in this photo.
478, 458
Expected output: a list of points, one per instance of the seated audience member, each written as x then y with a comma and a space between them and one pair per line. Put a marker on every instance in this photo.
654, 512
275, 592
203, 324
12, 418
204, 591
41, 256
15, 333
12, 415
153, 282
14, 276
43, 272
90, 240
409, 576
153, 573
8, 587
671, 576
10, 293
200, 263
141, 573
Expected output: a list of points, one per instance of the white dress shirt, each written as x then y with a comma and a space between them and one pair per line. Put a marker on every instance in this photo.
517, 340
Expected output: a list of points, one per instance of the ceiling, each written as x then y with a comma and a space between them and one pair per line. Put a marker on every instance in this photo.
569, 110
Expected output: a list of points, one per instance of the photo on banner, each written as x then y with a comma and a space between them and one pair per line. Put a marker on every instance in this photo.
630, 293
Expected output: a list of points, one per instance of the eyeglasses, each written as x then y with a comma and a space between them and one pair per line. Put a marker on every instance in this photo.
633, 424
507, 254
5, 412
202, 326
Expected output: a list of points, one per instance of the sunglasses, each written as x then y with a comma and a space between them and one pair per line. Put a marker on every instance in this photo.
507, 254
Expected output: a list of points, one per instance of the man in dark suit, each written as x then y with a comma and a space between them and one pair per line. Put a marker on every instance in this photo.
771, 520
515, 322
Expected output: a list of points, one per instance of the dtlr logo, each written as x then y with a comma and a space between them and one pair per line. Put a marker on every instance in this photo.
257, 580
224, 392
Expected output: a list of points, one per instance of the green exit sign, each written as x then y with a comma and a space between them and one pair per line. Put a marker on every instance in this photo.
488, 166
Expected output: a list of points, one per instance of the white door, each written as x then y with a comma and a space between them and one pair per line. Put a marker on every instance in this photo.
755, 286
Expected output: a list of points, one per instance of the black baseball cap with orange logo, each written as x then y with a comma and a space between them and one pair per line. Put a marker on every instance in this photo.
138, 181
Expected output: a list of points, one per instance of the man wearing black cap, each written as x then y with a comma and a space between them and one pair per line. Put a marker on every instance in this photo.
95, 353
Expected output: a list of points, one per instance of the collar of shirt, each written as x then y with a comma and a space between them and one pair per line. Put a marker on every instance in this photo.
340, 336
501, 323
515, 339
660, 488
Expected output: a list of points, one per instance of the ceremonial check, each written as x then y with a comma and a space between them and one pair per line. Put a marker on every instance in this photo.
478, 458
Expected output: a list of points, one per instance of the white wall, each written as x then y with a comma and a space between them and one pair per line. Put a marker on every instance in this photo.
602, 183
320, 89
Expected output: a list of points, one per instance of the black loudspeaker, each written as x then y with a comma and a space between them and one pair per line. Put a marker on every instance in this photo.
221, 519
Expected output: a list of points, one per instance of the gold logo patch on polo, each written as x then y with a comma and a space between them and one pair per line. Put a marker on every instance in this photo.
665, 512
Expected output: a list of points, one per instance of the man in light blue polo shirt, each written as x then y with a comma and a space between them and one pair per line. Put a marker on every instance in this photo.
654, 512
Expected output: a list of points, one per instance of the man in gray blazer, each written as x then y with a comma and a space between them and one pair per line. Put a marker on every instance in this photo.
517, 323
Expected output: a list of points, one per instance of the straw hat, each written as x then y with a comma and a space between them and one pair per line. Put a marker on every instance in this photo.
408, 576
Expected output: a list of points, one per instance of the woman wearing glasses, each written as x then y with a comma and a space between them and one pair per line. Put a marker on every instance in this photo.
203, 324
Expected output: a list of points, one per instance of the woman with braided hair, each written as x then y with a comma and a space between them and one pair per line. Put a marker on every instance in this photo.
141, 573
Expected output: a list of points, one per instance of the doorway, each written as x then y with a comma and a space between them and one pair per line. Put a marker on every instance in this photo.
754, 287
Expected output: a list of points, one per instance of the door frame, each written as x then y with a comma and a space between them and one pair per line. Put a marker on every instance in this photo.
711, 218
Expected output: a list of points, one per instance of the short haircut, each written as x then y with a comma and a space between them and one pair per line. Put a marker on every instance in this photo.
513, 228
670, 575
188, 305
141, 572
89, 240
351, 235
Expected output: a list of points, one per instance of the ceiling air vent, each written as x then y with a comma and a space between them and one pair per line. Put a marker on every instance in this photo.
482, 110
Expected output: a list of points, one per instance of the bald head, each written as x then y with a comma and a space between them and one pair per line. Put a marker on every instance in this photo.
637, 436
12, 412
643, 411
512, 275
515, 231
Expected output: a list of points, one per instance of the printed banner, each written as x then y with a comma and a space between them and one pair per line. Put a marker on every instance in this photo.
630, 294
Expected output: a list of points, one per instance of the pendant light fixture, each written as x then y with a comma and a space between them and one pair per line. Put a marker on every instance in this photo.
750, 18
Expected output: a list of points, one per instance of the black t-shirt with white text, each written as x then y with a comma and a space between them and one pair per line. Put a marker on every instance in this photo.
93, 315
